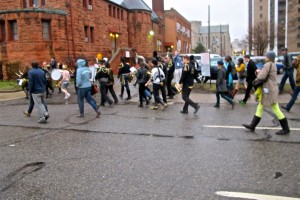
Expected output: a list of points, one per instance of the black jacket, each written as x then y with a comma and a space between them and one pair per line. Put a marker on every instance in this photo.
170, 69
251, 68
189, 73
142, 75
124, 68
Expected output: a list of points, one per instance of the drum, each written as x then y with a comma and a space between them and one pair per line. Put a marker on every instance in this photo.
56, 74
133, 70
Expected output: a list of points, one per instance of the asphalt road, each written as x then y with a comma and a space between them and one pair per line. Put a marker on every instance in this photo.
134, 153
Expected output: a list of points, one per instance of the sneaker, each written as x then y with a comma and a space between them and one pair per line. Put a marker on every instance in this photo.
217, 106
165, 106
154, 107
98, 114
80, 115
285, 108
27, 114
46, 116
68, 96
42, 120
196, 109
242, 102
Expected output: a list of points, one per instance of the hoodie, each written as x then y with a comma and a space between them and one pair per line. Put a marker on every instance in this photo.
83, 75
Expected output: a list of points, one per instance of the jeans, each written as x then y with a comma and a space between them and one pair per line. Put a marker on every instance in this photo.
85, 93
294, 98
31, 104
186, 91
38, 101
224, 96
288, 73
104, 96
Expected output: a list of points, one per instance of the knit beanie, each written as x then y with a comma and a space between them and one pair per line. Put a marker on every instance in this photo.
271, 55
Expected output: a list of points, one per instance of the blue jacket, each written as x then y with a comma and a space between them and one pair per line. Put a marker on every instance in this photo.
83, 75
178, 62
37, 81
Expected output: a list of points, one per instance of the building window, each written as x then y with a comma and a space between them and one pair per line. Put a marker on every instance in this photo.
84, 4
46, 26
91, 2
2, 31
178, 26
33, 3
110, 10
86, 34
298, 45
122, 15
261, 15
13, 28
114, 12
158, 45
118, 13
24, 3
92, 34
43, 2
260, 7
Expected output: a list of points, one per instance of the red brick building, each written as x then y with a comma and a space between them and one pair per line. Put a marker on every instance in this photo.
41, 29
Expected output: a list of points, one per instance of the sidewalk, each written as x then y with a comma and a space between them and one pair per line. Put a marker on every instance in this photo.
197, 95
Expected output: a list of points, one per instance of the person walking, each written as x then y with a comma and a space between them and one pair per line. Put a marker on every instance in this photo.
143, 77
289, 106
241, 74
65, 81
189, 73
110, 84
288, 72
251, 68
230, 68
268, 95
221, 86
178, 67
84, 85
124, 74
103, 77
157, 77
170, 76
37, 88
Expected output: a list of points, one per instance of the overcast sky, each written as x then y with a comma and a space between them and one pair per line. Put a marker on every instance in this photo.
232, 12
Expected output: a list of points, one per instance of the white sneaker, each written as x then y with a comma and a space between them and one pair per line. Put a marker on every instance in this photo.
42, 120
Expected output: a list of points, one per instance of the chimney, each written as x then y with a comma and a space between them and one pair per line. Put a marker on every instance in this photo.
158, 6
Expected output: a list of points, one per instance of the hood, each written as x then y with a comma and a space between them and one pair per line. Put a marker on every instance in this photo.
81, 63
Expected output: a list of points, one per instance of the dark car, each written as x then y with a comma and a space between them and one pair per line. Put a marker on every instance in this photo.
260, 61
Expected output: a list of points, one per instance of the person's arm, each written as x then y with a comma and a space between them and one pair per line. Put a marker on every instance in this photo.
78, 79
263, 74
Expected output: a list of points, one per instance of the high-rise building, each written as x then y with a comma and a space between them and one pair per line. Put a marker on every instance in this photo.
283, 17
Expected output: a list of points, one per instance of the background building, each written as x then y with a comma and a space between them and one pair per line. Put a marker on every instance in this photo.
283, 21
38, 30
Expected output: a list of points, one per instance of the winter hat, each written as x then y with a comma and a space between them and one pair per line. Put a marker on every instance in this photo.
154, 62
192, 57
271, 55
220, 62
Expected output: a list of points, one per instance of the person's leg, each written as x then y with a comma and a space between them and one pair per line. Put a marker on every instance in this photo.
248, 90
31, 104
217, 105
141, 93
127, 87
37, 98
293, 99
177, 75
156, 94
81, 95
282, 82
113, 93
91, 101
256, 118
163, 93
236, 89
169, 86
104, 96
291, 78
282, 120
227, 98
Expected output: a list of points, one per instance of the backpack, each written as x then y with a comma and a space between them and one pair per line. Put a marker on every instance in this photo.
233, 70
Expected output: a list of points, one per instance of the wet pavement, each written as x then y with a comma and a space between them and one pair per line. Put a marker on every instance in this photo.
138, 153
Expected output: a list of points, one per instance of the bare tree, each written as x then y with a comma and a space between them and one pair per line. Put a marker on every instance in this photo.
261, 37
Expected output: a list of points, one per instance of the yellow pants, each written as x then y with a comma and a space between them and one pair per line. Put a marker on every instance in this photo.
260, 108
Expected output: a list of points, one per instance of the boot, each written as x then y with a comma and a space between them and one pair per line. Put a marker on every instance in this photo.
285, 127
253, 124
128, 93
234, 92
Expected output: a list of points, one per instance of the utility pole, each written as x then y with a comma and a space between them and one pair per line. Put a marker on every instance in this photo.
221, 40
209, 27
250, 26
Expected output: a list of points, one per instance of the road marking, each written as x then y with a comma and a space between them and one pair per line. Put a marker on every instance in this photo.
253, 196
241, 127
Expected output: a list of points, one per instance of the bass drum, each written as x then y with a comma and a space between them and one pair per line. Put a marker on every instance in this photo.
56, 74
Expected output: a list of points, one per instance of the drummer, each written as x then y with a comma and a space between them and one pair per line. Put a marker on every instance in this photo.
65, 81
47, 69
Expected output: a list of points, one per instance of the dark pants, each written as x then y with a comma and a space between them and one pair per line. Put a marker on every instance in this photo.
186, 91
288, 73
224, 96
31, 104
104, 97
142, 92
110, 88
125, 84
248, 90
49, 86
171, 93
294, 98
163, 92
156, 88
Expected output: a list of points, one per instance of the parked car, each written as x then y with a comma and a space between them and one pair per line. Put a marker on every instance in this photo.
260, 61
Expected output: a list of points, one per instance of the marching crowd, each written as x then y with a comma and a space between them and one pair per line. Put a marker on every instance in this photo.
160, 71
